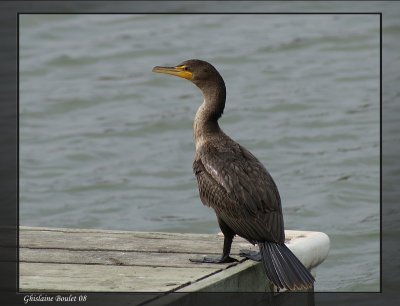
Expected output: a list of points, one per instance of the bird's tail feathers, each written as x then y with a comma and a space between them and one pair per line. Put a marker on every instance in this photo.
283, 268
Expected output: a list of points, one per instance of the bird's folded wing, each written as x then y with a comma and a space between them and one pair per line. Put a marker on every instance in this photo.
241, 190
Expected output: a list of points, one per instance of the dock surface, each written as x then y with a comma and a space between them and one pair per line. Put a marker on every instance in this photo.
84, 260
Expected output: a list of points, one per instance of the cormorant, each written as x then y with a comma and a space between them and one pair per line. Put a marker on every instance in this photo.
236, 185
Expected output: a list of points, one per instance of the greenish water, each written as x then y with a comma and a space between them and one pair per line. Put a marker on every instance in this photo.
105, 143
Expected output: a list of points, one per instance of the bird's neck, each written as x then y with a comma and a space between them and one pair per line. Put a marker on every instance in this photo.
206, 119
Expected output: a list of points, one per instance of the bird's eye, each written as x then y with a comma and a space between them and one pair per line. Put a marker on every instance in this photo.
185, 68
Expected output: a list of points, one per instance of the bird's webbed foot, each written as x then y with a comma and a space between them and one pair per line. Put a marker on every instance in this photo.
213, 259
253, 255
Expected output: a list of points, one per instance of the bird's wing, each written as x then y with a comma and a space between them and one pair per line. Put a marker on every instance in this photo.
241, 191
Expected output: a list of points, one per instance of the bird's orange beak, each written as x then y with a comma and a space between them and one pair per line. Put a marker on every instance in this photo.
179, 71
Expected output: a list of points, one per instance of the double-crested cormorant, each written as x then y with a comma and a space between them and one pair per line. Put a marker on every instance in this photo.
236, 185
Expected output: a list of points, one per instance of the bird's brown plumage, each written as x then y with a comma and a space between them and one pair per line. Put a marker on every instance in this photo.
240, 190
236, 185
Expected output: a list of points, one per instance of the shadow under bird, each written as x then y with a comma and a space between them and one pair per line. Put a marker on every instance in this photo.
237, 186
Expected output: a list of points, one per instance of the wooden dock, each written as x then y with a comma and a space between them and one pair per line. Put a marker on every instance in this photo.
82, 260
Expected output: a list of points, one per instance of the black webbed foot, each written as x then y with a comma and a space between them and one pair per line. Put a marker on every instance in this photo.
253, 255
211, 259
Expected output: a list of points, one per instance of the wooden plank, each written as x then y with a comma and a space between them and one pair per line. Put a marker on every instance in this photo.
127, 241
76, 277
111, 258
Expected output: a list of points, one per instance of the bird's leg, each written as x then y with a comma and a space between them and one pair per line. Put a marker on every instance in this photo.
228, 238
225, 258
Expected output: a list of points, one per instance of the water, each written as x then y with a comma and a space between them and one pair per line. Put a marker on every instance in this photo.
105, 143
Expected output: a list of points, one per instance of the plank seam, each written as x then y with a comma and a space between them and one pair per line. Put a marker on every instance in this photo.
107, 264
109, 250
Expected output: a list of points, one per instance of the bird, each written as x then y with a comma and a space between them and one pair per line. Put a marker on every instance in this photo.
233, 182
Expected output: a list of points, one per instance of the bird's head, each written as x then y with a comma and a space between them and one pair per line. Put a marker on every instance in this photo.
194, 70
